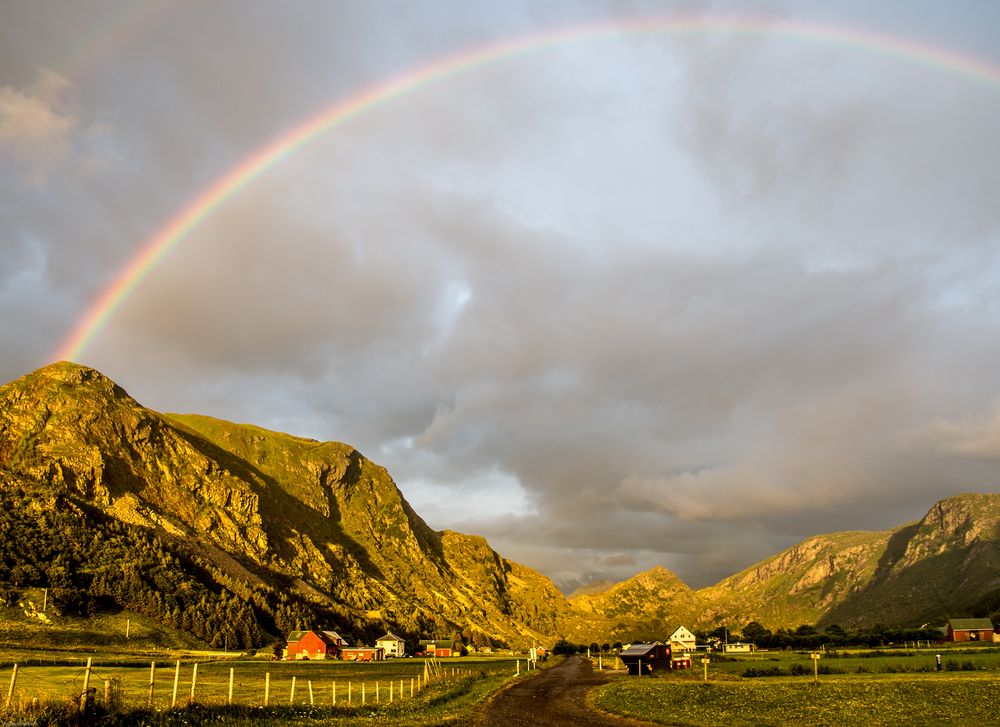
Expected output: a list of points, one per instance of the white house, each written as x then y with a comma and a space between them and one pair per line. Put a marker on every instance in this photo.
738, 647
392, 645
682, 639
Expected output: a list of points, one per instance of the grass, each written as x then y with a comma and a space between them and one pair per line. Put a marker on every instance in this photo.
868, 687
880, 661
449, 699
894, 700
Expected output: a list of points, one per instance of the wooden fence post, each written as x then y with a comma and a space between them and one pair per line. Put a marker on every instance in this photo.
10, 690
333, 692
177, 681
231, 675
107, 693
291, 694
362, 692
311, 702
267, 687
85, 697
348, 693
194, 681
152, 682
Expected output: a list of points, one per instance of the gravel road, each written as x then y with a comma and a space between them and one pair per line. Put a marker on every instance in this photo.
555, 696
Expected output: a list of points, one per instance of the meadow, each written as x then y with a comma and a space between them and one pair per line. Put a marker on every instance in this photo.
395, 691
881, 687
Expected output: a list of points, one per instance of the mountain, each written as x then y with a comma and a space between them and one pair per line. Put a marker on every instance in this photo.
944, 565
641, 607
307, 533
799, 585
238, 535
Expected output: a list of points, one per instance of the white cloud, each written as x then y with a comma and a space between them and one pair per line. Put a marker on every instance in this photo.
36, 130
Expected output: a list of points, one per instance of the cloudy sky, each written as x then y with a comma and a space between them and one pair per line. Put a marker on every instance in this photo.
617, 300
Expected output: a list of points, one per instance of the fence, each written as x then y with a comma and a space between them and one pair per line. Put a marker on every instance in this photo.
216, 683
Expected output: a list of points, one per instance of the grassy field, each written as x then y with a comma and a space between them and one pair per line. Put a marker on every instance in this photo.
389, 692
861, 687
857, 661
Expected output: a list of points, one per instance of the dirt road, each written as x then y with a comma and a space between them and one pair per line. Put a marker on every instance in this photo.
555, 696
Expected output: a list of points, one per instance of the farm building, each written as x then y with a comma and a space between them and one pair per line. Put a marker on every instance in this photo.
437, 647
392, 645
738, 647
682, 640
970, 629
313, 645
362, 653
643, 659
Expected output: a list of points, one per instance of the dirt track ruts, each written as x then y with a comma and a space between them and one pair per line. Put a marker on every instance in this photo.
555, 696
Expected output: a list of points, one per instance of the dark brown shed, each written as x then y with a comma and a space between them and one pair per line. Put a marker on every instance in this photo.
644, 659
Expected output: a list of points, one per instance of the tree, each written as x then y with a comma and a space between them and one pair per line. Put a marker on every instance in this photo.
562, 646
755, 633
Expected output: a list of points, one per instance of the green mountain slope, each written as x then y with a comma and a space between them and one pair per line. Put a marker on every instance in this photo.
237, 534
307, 531
640, 607
799, 585
946, 564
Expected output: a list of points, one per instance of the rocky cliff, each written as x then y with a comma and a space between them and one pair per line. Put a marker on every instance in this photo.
268, 510
208, 525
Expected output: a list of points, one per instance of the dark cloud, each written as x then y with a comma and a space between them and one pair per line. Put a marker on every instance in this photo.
651, 299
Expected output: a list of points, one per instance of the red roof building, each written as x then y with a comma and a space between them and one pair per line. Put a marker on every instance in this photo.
313, 645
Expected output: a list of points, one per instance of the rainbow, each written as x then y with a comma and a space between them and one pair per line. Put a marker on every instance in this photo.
259, 162
92, 49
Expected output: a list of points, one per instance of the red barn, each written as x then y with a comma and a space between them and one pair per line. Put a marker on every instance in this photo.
313, 645
970, 629
438, 647
362, 653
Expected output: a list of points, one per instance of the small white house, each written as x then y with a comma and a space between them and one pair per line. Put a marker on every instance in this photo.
739, 647
392, 645
682, 640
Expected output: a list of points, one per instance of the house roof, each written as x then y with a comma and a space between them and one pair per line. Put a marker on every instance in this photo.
640, 649
970, 624
389, 637
330, 638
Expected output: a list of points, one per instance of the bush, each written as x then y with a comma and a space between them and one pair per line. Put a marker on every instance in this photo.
765, 671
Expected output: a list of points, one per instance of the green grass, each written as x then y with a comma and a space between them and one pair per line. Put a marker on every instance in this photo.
948, 698
449, 698
856, 662
24, 638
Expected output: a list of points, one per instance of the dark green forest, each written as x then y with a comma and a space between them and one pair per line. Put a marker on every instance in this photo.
91, 562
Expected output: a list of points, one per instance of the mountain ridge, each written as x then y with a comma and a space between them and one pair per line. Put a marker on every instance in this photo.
283, 532
316, 517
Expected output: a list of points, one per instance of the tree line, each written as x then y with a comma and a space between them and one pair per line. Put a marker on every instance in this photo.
91, 562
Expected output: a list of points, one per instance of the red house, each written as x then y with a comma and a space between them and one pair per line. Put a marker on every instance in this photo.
314, 645
970, 629
362, 653
437, 647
